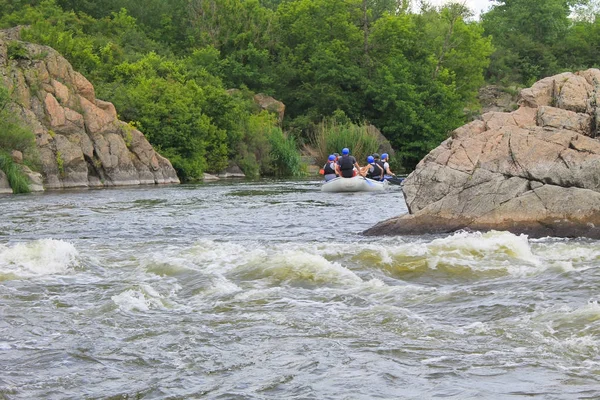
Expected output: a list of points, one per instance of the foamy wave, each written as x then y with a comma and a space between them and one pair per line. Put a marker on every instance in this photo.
294, 266
490, 252
223, 263
142, 299
552, 330
209, 256
220, 285
476, 245
567, 317
38, 258
569, 255
468, 254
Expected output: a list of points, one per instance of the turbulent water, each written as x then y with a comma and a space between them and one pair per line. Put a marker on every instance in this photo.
267, 290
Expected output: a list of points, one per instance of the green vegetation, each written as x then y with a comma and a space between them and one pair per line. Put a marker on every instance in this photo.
168, 65
14, 136
331, 136
285, 159
539, 38
17, 180
60, 163
16, 51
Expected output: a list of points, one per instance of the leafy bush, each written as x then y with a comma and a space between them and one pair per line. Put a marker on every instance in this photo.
16, 51
263, 148
251, 148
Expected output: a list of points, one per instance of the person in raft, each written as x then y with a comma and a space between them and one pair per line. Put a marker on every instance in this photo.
346, 164
372, 170
378, 161
385, 158
329, 169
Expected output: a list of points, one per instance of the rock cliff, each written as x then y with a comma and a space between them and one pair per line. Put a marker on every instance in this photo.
80, 140
535, 170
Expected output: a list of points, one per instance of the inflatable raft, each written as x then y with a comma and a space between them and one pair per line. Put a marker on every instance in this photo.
355, 184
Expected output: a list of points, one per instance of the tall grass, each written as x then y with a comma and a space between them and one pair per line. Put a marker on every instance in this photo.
285, 156
331, 137
264, 150
15, 136
16, 178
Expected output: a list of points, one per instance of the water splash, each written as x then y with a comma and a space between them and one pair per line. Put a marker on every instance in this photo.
467, 255
300, 267
143, 298
38, 258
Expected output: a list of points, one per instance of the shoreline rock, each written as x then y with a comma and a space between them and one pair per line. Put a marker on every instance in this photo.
80, 140
535, 170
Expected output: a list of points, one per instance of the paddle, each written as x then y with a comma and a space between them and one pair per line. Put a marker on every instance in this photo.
368, 180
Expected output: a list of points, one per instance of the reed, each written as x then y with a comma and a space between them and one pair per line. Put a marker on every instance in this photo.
16, 178
284, 155
331, 137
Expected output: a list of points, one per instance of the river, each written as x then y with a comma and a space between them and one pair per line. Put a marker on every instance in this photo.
267, 290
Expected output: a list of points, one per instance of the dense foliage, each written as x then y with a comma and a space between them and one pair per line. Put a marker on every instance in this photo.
167, 66
538, 38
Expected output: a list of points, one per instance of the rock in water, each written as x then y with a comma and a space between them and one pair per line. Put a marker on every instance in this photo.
534, 171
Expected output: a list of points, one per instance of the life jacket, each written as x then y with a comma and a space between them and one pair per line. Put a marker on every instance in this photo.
346, 166
376, 173
328, 169
381, 164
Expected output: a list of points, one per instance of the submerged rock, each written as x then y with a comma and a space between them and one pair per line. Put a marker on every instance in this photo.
80, 140
535, 170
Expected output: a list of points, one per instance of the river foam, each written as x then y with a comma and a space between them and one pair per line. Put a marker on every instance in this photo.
38, 258
141, 298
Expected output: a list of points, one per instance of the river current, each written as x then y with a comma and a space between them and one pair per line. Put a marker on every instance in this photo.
267, 290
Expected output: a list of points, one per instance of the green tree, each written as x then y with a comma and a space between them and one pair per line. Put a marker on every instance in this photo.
581, 46
414, 107
524, 32
319, 57
461, 53
241, 30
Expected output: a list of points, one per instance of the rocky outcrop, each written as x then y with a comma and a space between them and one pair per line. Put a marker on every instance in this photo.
232, 171
535, 170
270, 104
81, 142
496, 98
384, 145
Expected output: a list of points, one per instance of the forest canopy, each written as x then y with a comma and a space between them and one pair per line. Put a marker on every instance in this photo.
413, 71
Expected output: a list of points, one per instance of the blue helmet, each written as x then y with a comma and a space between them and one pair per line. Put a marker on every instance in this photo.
345, 150
370, 159
384, 156
332, 158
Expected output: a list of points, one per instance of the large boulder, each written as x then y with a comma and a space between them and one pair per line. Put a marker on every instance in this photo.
80, 140
270, 104
535, 170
